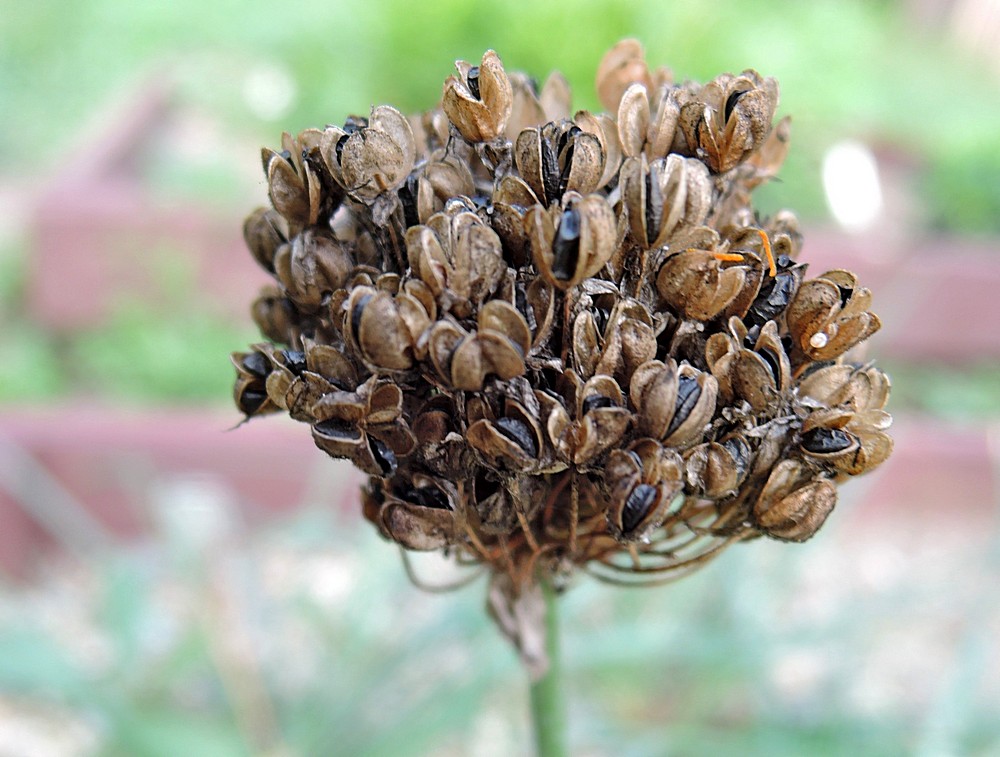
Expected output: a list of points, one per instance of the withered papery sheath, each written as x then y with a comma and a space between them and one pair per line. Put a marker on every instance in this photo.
559, 341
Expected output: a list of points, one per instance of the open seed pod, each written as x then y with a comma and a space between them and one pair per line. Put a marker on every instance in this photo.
458, 257
646, 124
715, 470
674, 404
294, 185
513, 440
756, 374
794, 503
418, 512
693, 281
478, 101
663, 195
730, 118
559, 157
829, 315
498, 348
311, 267
368, 157
573, 241
599, 423
642, 482
374, 325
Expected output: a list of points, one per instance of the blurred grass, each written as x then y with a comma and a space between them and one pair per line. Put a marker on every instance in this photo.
174, 351
157, 648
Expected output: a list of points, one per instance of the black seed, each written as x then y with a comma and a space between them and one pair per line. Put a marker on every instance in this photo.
810, 369
533, 83
787, 343
783, 262
566, 248
355, 123
521, 303
384, 456
428, 496
637, 506
566, 160
654, 207
845, 295
359, 307
519, 433
565, 136
601, 318
688, 393
472, 79
731, 102
336, 429
294, 360
773, 298
251, 400
823, 441
774, 365
753, 334
256, 364
740, 451
595, 401
635, 456
485, 488
340, 147
408, 199
550, 173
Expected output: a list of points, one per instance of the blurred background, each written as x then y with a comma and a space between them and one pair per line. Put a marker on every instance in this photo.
169, 583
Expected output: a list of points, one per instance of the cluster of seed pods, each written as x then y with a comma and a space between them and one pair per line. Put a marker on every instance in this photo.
559, 341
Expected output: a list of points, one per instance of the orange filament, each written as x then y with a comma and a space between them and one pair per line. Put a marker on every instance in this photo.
767, 251
728, 257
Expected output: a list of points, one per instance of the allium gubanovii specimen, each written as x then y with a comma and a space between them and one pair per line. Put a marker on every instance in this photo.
562, 341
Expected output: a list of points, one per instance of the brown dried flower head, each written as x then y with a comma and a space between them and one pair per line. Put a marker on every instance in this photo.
562, 342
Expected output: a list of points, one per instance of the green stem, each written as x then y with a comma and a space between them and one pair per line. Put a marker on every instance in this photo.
548, 711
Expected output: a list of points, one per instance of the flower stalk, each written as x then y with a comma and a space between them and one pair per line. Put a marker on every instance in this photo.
548, 703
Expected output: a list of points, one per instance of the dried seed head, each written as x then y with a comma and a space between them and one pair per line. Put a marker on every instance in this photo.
559, 340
